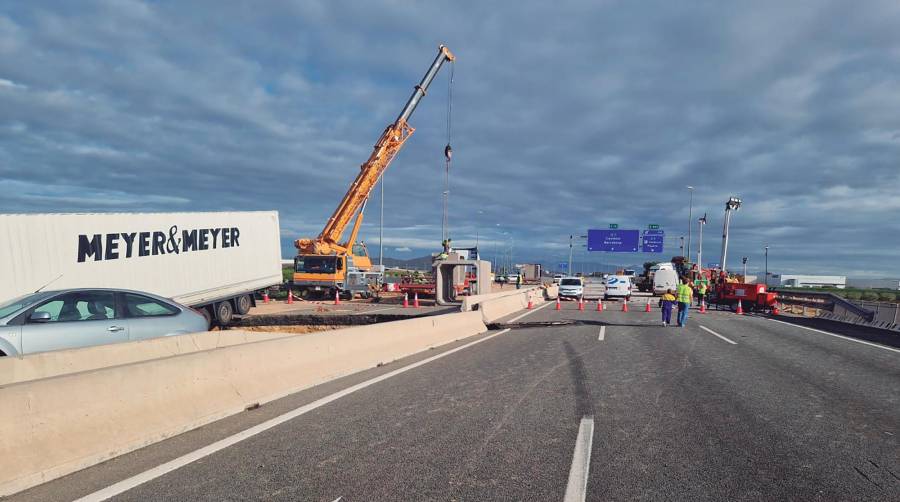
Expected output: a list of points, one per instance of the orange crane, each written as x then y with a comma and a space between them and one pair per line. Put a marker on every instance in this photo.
325, 266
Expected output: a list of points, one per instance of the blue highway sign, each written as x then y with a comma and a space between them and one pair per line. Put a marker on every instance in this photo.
613, 241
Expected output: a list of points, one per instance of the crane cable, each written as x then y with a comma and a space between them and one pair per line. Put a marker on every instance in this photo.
448, 153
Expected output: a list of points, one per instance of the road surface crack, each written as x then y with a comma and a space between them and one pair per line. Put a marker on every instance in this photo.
861, 473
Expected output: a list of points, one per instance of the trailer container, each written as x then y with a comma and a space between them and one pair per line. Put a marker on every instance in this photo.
213, 262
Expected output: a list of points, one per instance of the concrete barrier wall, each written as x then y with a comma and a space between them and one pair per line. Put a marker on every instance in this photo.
61, 362
54, 426
552, 292
470, 302
495, 306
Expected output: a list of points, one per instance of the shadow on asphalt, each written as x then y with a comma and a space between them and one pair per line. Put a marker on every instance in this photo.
867, 333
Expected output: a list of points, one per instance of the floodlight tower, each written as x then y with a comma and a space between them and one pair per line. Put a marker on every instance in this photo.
731, 206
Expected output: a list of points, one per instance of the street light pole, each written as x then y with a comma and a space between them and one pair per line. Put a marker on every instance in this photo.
687, 254
744, 261
569, 270
700, 223
681, 246
767, 267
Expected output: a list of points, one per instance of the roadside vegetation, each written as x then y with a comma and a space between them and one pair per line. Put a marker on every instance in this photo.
873, 295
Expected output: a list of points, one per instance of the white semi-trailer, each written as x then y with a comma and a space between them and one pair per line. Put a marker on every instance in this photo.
213, 262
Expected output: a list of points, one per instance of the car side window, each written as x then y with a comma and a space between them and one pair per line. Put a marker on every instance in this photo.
142, 306
80, 306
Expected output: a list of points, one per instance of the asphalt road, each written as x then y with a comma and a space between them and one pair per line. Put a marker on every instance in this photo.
745, 409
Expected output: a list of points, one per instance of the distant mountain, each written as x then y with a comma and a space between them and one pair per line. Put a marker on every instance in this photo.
421, 263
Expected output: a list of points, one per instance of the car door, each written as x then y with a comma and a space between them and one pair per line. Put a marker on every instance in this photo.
151, 318
76, 319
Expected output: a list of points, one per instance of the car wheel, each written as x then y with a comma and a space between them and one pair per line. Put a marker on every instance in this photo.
305, 294
243, 304
204, 311
224, 312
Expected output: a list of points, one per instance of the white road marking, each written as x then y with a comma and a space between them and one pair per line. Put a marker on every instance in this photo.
514, 319
602, 333
160, 470
839, 336
576, 488
704, 328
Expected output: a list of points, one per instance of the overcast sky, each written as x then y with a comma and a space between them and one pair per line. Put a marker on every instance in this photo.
566, 116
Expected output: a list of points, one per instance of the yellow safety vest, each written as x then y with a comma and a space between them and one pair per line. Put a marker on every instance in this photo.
685, 293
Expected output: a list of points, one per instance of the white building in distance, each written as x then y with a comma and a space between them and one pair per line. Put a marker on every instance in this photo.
893, 284
810, 281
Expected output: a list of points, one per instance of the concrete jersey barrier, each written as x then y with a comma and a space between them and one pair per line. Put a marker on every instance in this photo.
54, 426
61, 362
495, 306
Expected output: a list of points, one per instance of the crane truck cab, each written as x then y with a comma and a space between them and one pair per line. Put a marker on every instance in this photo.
323, 276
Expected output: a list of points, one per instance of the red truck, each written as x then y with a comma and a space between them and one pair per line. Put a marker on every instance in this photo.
753, 297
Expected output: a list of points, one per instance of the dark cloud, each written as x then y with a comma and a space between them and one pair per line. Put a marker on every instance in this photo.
567, 115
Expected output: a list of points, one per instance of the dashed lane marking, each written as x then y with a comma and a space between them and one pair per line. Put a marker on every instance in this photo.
602, 335
576, 488
704, 328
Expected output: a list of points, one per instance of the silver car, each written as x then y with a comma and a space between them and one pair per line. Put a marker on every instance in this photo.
73, 318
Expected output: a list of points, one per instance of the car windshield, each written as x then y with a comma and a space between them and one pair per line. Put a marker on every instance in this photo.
316, 264
17, 304
570, 282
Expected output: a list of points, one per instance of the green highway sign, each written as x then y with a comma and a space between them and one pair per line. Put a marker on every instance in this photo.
613, 226
653, 227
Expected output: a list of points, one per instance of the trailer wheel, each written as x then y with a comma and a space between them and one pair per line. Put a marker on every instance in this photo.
243, 304
347, 295
224, 312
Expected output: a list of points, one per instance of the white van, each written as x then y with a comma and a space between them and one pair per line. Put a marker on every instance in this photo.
664, 278
618, 286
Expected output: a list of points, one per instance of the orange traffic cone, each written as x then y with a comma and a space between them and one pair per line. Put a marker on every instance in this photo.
775, 310
266, 297
702, 306
530, 304
558, 306
290, 297
405, 300
581, 304
625, 305
740, 309
416, 300
337, 297
647, 307
599, 305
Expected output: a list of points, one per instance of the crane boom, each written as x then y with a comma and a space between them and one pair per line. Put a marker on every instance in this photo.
387, 147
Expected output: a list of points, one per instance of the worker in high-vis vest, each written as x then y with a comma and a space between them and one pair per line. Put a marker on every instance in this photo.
684, 295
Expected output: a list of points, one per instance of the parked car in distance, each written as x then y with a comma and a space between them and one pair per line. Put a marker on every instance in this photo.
571, 287
75, 318
618, 286
557, 278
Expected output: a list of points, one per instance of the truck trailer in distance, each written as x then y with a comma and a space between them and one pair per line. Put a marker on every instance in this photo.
213, 262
